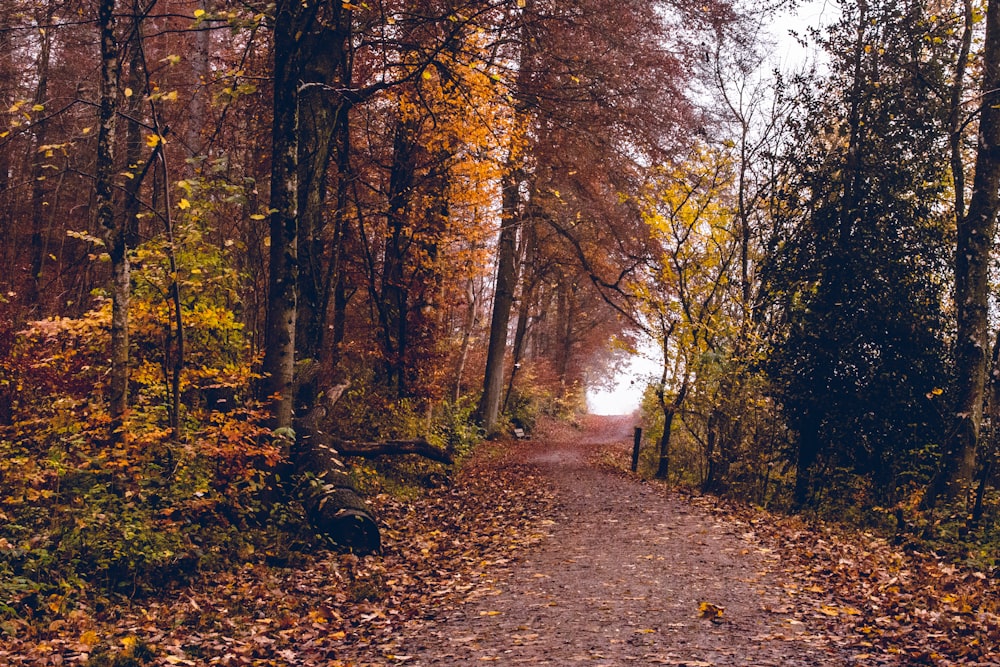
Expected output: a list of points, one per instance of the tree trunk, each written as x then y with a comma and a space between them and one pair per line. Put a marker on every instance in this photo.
503, 300
670, 411
972, 257
955, 124
666, 333
34, 291
133, 141
114, 233
330, 498
330, 351
565, 314
808, 451
200, 59
467, 330
279, 346
529, 242
322, 115
393, 297
6, 94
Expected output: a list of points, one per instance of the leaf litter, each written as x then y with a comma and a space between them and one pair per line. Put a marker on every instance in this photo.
493, 567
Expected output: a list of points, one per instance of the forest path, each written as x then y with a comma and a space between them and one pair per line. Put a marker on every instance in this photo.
620, 580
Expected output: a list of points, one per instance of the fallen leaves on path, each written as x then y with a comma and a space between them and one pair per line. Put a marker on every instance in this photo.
889, 605
880, 603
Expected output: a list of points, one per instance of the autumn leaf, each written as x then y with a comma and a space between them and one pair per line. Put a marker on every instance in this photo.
710, 611
318, 617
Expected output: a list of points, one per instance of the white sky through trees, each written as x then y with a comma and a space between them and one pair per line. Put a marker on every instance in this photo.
636, 373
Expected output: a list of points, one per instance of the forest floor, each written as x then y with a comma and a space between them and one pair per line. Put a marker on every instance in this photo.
548, 552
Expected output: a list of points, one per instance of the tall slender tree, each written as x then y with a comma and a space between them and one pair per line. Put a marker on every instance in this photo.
112, 224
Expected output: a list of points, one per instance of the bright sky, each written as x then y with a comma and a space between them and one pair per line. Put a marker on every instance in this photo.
624, 396
811, 14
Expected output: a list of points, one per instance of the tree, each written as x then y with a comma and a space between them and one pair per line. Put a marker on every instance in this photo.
111, 224
290, 19
599, 95
858, 279
976, 231
690, 212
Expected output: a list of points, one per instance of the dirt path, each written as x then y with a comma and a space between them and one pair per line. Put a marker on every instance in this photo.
620, 580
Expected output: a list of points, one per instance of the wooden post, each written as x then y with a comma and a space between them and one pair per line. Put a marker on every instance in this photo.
635, 449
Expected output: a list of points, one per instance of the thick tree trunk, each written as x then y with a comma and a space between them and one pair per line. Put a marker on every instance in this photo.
324, 119
330, 498
322, 115
393, 298
972, 257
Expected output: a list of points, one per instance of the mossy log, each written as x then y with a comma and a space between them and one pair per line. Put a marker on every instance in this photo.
331, 500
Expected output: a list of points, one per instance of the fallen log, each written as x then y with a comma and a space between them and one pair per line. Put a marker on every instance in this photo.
329, 496
393, 447
332, 502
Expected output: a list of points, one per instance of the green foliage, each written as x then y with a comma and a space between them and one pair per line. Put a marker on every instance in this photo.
366, 411
532, 397
456, 429
84, 514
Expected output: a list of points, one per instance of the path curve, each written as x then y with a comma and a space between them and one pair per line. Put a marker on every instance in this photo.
621, 580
